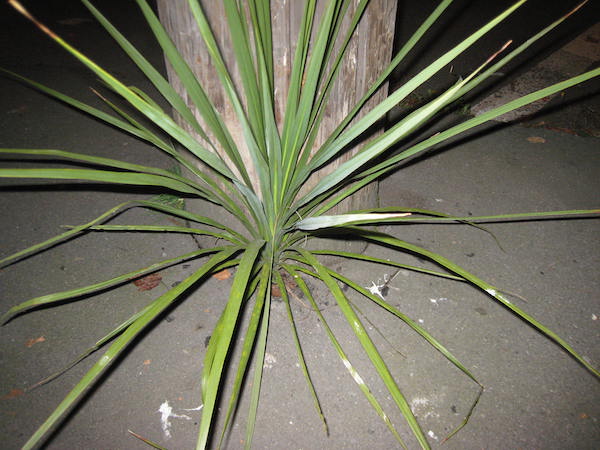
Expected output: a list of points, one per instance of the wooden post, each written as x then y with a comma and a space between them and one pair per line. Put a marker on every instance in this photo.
368, 54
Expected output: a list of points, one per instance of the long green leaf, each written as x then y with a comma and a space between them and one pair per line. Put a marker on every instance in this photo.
312, 74
195, 91
108, 162
158, 117
260, 12
422, 332
158, 81
293, 271
342, 220
105, 176
111, 213
299, 65
398, 58
249, 343
367, 344
391, 163
478, 282
240, 43
297, 156
261, 348
108, 337
165, 229
326, 153
222, 342
259, 104
520, 49
387, 262
414, 325
120, 344
215, 194
78, 292
301, 360
259, 158
128, 127
66, 235
271, 182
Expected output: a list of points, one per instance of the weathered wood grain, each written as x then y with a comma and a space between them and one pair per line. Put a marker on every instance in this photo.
368, 53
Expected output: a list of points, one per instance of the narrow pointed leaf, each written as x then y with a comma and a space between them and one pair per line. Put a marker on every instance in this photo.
158, 81
107, 162
319, 222
249, 343
326, 153
299, 351
390, 163
368, 346
158, 117
120, 344
105, 176
261, 348
222, 344
78, 292
481, 284
292, 270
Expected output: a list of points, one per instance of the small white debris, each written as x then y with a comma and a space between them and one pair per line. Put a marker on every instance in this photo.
375, 289
194, 409
420, 401
166, 412
432, 435
269, 361
420, 406
594, 317
439, 200
420, 321
436, 300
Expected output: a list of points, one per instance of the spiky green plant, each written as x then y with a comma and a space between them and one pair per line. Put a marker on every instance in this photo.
272, 241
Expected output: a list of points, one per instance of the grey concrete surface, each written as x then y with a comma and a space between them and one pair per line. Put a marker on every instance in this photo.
536, 396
